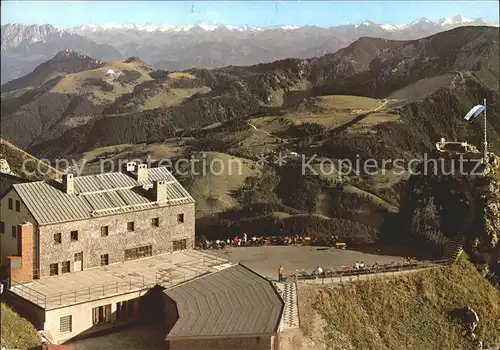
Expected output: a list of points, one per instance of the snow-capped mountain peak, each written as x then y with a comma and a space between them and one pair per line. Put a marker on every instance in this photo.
462, 19
446, 22
457, 20
393, 27
368, 23
208, 27
422, 20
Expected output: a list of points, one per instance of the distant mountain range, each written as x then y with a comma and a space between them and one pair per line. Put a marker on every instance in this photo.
170, 47
444, 23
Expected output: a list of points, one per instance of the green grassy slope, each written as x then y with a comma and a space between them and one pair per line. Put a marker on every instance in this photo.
409, 312
16, 332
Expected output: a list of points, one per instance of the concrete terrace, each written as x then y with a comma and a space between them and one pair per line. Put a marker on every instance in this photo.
167, 270
267, 259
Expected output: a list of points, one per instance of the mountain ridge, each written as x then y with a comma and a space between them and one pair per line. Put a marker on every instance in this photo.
199, 45
140, 104
25, 47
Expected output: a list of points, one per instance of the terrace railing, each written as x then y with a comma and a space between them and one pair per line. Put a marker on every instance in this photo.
54, 300
28, 293
166, 280
356, 274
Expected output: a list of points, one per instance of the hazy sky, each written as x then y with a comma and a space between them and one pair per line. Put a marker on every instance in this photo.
251, 13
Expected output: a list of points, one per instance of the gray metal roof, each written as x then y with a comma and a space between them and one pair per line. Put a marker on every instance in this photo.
98, 195
233, 301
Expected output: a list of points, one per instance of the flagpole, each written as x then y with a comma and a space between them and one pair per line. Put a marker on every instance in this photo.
485, 133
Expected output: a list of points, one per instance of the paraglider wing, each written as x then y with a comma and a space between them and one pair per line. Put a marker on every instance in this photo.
474, 113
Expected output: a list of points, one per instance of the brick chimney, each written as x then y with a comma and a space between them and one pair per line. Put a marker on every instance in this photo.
68, 183
160, 191
142, 172
21, 267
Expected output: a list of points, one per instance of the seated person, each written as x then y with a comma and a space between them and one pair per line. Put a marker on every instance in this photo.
318, 271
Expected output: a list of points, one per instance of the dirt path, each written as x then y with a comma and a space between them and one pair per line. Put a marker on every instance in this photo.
376, 199
356, 120
359, 118
267, 133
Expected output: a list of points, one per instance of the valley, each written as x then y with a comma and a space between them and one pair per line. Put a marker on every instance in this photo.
280, 149
77, 108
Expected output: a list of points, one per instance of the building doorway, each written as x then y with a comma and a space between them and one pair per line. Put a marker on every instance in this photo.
78, 263
101, 314
125, 310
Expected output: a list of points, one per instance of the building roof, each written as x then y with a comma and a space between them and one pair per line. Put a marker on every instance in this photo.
98, 195
232, 302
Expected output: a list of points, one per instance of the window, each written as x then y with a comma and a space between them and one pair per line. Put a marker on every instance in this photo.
137, 253
18, 206
101, 314
74, 236
155, 222
10, 204
54, 269
78, 264
124, 310
180, 244
65, 324
130, 226
104, 231
57, 238
65, 268
180, 218
2, 227
14, 231
104, 259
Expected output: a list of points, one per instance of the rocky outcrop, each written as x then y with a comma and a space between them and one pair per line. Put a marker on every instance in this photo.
492, 205
433, 205
4, 166
489, 243
469, 319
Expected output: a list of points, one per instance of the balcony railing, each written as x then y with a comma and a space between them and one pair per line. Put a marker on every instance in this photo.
350, 274
54, 300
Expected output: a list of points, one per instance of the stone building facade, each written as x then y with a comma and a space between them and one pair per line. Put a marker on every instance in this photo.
93, 244
97, 220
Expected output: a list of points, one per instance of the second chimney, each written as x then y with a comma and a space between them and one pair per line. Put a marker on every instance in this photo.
142, 172
130, 167
68, 183
160, 191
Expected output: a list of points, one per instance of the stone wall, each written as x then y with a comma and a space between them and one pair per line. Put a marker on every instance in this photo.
93, 245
